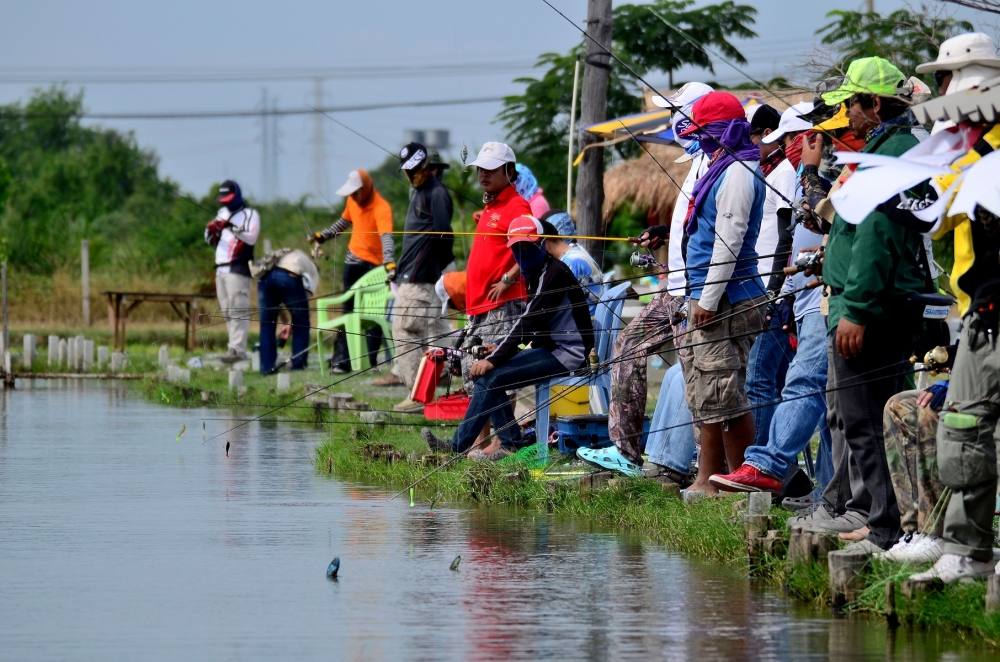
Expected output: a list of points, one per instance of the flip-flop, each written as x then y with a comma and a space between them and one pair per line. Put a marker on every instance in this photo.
610, 458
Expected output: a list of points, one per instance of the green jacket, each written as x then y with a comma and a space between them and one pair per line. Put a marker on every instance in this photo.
869, 267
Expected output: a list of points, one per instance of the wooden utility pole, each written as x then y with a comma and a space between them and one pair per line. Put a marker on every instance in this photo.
593, 109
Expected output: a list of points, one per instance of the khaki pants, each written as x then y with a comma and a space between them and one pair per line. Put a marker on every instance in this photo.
233, 291
417, 326
967, 446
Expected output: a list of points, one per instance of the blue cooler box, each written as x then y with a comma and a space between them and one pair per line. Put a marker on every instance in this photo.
589, 431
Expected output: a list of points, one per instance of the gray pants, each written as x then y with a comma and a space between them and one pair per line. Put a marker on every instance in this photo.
233, 291
967, 442
860, 388
417, 326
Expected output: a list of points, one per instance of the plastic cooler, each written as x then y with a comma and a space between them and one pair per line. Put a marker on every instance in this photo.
447, 408
589, 431
569, 400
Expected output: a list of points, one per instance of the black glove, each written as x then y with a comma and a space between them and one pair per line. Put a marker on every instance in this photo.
656, 236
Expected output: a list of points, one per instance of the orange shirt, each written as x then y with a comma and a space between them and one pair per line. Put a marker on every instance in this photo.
368, 223
490, 258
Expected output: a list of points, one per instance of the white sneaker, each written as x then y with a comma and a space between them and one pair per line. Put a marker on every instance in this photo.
952, 568
915, 548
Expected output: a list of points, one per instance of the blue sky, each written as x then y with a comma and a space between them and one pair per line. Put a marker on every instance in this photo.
495, 42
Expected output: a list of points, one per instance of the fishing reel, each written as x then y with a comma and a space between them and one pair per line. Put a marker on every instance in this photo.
812, 261
643, 260
938, 360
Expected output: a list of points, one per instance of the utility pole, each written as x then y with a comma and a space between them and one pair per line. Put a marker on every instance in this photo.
593, 109
319, 143
870, 4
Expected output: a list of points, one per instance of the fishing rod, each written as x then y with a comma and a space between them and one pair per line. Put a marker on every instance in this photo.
355, 422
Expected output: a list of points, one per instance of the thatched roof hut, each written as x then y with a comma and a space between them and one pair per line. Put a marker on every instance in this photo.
643, 184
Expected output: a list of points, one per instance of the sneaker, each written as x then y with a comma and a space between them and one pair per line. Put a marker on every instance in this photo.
798, 504
952, 568
819, 513
610, 458
859, 547
915, 548
387, 380
435, 444
689, 496
339, 370
746, 479
234, 356
407, 406
849, 521
665, 475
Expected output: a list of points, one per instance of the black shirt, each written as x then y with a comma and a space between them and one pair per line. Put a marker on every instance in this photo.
425, 256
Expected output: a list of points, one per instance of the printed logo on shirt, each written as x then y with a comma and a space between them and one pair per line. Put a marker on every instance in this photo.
493, 220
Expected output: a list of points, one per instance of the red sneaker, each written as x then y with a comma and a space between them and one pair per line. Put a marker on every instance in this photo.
746, 479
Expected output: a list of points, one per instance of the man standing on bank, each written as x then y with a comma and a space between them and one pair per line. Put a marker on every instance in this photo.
233, 233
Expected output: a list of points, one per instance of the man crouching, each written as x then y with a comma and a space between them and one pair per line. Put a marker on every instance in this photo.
556, 324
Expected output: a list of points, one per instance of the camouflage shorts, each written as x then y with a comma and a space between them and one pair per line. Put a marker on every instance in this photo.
714, 358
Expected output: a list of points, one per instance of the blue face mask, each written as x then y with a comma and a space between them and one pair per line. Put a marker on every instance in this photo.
530, 257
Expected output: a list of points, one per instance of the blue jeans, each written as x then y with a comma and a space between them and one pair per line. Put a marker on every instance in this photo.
766, 368
489, 396
802, 408
671, 435
275, 288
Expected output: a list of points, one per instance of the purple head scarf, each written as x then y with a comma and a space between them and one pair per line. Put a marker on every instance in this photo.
726, 142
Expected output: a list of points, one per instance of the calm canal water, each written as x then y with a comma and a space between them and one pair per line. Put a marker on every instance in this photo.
117, 541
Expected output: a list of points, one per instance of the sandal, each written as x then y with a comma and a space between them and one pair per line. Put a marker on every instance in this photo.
610, 458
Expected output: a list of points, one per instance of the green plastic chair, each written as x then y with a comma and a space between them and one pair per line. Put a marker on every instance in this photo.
371, 296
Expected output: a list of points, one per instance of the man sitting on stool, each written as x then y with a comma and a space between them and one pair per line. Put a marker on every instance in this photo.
556, 323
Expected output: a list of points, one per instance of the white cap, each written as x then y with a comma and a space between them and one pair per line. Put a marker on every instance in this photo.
687, 95
352, 184
962, 51
791, 122
492, 155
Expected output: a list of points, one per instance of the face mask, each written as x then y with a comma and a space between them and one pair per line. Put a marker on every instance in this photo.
529, 256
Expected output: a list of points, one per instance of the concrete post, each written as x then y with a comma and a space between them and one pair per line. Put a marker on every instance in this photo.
103, 356
79, 353
235, 380
255, 361
63, 352
284, 382
71, 354
164, 356
28, 355
52, 356
88, 354
118, 362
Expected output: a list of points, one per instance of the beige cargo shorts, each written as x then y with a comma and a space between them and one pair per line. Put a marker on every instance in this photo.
715, 360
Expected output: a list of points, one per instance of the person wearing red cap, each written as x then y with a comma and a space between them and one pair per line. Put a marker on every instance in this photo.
556, 324
726, 291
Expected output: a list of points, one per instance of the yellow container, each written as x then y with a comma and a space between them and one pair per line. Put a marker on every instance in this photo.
569, 400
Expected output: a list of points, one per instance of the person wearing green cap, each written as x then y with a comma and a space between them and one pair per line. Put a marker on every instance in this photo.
869, 268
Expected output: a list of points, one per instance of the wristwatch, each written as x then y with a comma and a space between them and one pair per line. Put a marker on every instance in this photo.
506, 280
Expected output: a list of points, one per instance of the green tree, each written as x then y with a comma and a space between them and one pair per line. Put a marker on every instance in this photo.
906, 37
537, 120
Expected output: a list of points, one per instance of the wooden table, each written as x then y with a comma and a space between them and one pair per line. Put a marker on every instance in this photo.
120, 304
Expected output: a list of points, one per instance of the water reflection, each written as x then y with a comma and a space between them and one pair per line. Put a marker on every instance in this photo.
120, 541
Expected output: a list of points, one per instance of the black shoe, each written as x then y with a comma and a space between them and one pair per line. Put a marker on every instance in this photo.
797, 486
435, 444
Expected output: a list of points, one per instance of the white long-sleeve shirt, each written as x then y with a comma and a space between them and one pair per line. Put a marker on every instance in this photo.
237, 239
676, 279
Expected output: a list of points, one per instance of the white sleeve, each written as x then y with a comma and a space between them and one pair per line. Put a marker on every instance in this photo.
785, 182
246, 226
733, 203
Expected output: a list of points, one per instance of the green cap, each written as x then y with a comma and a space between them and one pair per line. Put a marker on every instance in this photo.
867, 75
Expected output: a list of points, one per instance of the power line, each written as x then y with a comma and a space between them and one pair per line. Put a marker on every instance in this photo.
255, 112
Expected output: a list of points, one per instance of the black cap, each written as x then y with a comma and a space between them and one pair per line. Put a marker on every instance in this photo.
412, 156
434, 159
765, 117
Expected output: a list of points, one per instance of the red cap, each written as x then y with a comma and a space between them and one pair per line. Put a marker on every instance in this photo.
714, 107
524, 228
